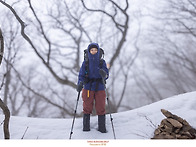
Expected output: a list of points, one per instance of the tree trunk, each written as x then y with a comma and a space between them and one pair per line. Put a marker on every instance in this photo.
2, 105
1, 46
6, 120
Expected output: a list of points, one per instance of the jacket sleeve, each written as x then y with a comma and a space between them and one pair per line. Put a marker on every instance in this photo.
105, 69
81, 76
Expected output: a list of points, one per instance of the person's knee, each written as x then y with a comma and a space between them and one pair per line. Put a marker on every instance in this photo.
100, 111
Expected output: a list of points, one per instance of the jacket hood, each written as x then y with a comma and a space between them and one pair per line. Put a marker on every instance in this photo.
91, 46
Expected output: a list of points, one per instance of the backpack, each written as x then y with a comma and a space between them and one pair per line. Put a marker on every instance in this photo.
101, 58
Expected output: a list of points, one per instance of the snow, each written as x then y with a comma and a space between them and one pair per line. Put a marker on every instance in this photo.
134, 124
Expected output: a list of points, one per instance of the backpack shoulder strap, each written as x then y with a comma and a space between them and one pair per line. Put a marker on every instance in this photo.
85, 54
101, 57
101, 54
86, 63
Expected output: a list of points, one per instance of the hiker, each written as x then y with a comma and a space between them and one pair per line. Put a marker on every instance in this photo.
92, 71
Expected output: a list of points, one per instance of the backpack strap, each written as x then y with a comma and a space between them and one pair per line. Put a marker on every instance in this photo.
86, 65
101, 63
101, 54
101, 57
85, 54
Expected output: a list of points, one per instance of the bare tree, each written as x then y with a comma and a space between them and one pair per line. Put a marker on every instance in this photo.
14, 91
180, 52
121, 75
172, 50
2, 104
12, 51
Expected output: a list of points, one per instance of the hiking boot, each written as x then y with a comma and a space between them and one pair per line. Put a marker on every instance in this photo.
101, 123
86, 122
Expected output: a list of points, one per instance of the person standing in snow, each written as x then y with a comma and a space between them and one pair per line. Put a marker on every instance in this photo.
94, 90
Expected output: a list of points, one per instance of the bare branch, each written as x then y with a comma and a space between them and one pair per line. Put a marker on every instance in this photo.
25, 36
42, 32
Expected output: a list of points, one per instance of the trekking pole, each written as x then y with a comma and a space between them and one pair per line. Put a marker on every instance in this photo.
74, 116
109, 109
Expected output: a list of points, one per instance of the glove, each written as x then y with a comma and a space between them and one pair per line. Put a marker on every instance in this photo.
102, 73
79, 86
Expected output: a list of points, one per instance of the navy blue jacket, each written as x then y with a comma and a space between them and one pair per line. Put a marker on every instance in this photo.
94, 67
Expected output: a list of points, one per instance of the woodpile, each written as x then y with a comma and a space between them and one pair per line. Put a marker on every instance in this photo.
174, 127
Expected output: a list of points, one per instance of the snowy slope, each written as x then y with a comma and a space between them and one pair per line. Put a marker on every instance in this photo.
135, 124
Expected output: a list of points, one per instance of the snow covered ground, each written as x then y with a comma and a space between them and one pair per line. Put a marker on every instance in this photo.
135, 124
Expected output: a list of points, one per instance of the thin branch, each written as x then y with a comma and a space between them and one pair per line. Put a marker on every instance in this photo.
42, 31
149, 120
24, 133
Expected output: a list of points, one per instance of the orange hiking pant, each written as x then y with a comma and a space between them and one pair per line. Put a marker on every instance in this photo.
88, 101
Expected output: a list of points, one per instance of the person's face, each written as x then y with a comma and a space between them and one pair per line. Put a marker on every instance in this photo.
93, 51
